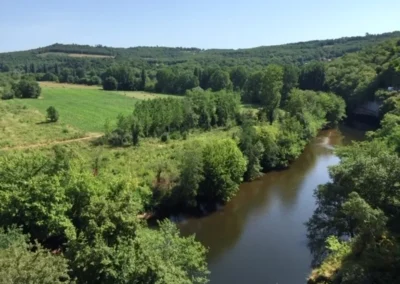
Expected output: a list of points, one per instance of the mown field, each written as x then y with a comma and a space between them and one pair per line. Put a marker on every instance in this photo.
74, 55
86, 109
83, 111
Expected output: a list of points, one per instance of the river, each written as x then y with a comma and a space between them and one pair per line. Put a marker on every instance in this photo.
259, 236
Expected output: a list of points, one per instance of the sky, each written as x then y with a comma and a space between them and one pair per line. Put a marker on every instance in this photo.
27, 24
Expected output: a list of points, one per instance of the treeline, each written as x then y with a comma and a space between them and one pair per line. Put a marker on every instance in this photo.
18, 87
357, 77
198, 109
211, 173
354, 231
295, 53
60, 223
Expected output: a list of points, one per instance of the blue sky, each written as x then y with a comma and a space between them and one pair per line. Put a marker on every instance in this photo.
26, 24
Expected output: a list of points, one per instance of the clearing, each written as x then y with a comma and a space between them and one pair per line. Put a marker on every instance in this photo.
45, 54
83, 111
86, 109
21, 126
140, 95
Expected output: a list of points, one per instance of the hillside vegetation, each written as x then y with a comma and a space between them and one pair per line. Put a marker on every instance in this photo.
78, 208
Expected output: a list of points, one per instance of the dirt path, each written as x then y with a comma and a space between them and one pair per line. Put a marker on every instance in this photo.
52, 143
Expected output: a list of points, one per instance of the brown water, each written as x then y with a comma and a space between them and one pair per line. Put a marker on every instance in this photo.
259, 236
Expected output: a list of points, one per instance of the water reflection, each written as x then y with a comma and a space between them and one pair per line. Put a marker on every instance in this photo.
259, 236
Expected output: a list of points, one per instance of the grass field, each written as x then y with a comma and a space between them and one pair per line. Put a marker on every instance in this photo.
85, 109
132, 94
21, 125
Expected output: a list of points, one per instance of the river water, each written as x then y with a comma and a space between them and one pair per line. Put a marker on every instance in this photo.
259, 236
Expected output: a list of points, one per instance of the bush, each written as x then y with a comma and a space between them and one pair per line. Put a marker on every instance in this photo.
94, 80
175, 135
110, 84
164, 137
27, 89
7, 95
50, 77
52, 114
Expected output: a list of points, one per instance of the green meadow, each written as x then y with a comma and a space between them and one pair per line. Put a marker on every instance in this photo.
85, 109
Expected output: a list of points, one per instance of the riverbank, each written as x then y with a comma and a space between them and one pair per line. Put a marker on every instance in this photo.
261, 229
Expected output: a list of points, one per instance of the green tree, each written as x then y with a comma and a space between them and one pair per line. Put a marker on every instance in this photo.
110, 84
224, 166
22, 262
52, 114
312, 77
238, 77
252, 149
95, 80
219, 80
190, 177
252, 88
290, 81
271, 87
32, 68
143, 78
27, 89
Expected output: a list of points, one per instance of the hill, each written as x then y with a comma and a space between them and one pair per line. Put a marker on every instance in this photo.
101, 56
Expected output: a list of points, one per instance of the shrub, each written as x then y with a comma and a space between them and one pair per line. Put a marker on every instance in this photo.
164, 137
175, 135
110, 84
27, 89
52, 114
7, 95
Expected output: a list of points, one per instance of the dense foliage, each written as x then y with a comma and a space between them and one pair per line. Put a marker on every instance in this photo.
90, 222
87, 221
175, 70
354, 232
23, 262
211, 173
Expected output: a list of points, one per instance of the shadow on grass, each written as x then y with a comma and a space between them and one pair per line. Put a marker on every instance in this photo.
44, 122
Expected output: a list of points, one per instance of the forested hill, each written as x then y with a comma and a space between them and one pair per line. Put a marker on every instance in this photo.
296, 53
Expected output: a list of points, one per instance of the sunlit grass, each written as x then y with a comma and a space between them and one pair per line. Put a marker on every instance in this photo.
85, 109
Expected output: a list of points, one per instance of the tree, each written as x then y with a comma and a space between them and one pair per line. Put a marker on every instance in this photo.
110, 84
368, 171
271, 87
185, 81
32, 68
80, 72
143, 78
312, 77
50, 77
52, 114
153, 256
165, 81
136, 130
95, 80
252, 149
238, 77
94, 219
219, 80
224, 166
252, 88
190, 177
56, 69
27, 89
290, 81
22, 262
165, 257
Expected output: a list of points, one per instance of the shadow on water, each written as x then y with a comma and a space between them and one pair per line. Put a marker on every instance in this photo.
259, 236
